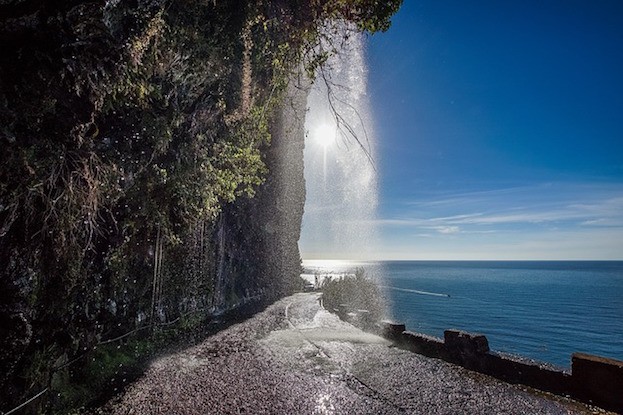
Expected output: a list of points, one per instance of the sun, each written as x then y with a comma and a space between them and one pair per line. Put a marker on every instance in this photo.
324, 135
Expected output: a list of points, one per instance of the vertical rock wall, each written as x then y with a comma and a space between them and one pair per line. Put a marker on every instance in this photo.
132, 134
257, 238
125, 128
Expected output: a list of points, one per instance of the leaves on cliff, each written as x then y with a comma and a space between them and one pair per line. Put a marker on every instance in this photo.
119, 119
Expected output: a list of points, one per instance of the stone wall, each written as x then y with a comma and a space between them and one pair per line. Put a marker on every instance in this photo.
593, 379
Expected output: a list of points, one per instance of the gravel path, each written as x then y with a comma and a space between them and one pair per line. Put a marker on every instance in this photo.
296, 358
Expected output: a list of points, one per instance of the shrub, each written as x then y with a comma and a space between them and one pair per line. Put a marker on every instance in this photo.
355, 293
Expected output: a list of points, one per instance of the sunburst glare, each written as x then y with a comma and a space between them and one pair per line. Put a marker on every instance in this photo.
324, 135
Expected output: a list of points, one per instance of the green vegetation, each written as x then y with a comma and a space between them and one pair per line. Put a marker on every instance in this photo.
354, 294
128, 131
108, 368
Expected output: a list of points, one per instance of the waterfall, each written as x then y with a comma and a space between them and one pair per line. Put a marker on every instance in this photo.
340, 176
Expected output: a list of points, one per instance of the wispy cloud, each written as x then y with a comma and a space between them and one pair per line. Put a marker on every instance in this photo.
540, 222
447, 230
524, 216
521, 222
528, 205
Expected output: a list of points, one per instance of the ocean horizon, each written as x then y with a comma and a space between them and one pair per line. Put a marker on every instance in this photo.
540, 309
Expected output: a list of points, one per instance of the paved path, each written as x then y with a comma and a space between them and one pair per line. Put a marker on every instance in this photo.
296, 358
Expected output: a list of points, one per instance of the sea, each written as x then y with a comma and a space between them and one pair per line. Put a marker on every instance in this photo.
543, 310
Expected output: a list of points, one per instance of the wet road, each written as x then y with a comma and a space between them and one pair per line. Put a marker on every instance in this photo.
296, 358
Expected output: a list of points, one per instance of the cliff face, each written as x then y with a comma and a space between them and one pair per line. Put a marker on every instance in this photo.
258, 237
134, 136
151, 171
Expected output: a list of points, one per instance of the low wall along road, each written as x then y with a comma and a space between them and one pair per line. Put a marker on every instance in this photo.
593, 379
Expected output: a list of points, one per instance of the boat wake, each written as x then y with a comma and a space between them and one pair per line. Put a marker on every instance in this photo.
407, 290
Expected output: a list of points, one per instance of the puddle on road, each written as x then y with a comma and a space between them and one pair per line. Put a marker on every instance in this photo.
324, 327
299, 338
317, 342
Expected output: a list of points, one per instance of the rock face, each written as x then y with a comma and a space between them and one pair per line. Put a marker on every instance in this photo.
151, 171
259, 252
134, 136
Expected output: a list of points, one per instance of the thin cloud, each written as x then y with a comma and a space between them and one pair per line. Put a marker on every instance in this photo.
540, 206
447, 230
457, 218
524, 217
481, 196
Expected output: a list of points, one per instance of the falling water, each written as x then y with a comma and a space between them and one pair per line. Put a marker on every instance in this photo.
340, 160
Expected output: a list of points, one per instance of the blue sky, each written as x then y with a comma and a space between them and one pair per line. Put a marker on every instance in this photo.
500, 130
